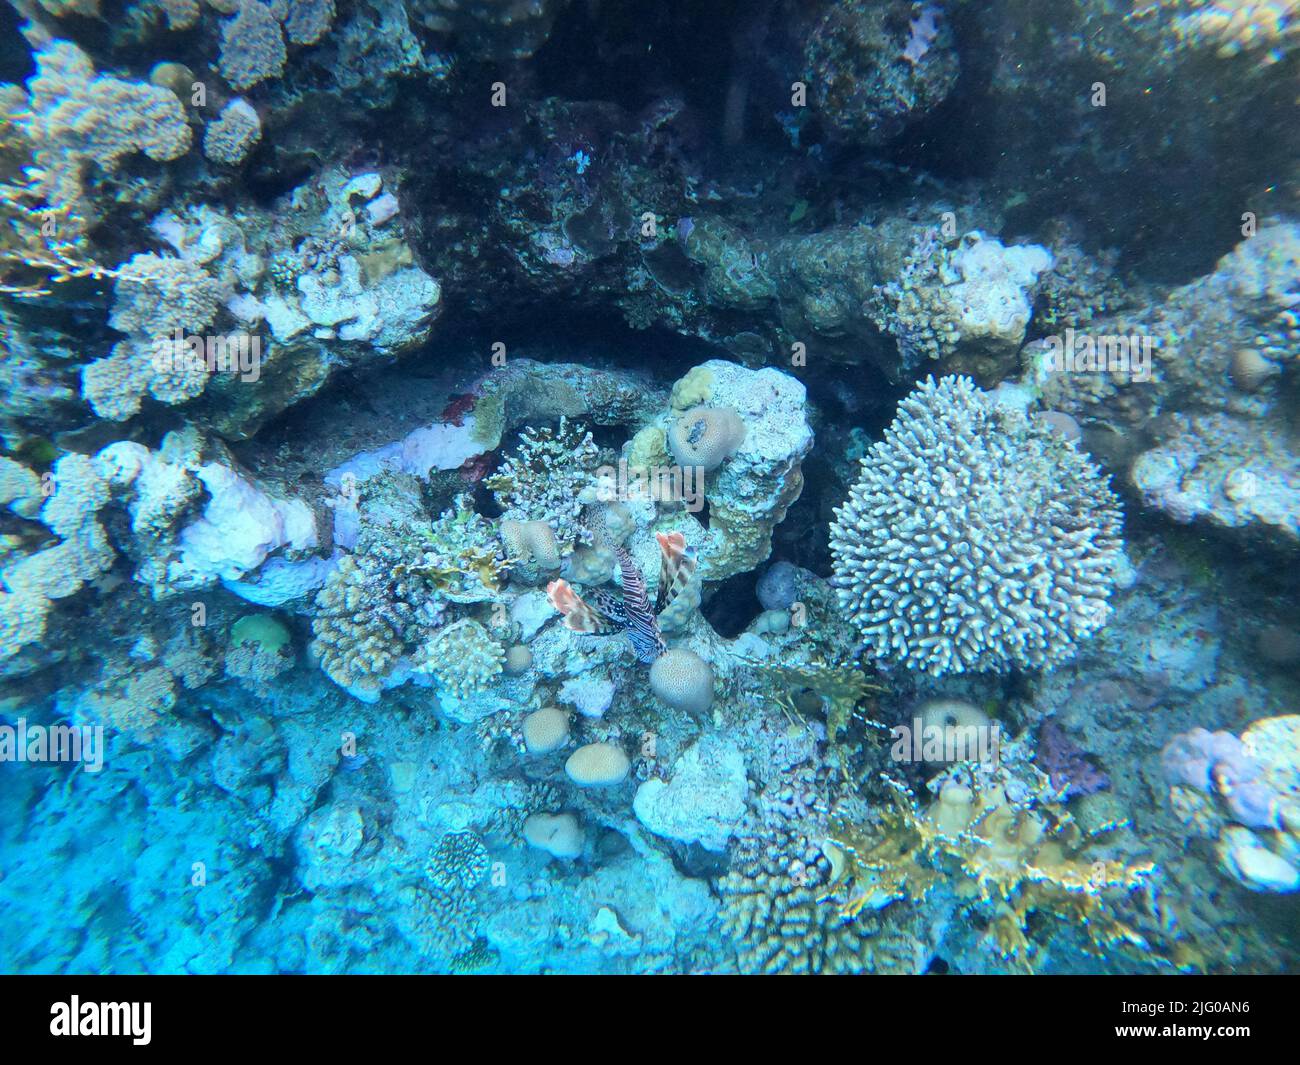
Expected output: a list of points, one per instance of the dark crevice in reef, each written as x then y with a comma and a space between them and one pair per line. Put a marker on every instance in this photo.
732, 604
16, 63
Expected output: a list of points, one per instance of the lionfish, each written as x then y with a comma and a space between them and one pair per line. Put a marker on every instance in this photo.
633, 613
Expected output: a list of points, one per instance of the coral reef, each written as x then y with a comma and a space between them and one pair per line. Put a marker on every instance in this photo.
1246, 794
422, 428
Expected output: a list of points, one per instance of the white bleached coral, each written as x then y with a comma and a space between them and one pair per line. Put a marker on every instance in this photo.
240, 525
975, 539
973, 296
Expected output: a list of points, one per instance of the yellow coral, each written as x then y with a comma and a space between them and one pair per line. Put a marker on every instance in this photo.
1017, 860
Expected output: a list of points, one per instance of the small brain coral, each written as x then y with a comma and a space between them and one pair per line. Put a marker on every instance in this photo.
975, 539
706, 436
598, 765
546, 730
683, 680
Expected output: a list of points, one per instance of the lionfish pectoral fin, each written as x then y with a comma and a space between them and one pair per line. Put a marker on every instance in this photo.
608, 606
578, 614
676, 568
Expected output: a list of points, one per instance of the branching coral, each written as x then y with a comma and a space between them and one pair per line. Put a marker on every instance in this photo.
73, 495
375, 607
976, 539
458, 863
462, 657
252, 46
460, 558
233, 134
74, 117
544, 477
155, 295
47, 139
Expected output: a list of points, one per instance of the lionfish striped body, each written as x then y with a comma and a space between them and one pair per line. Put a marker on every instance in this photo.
633, 613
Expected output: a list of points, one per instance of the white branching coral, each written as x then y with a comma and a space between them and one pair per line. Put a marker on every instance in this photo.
544, 478
976, 538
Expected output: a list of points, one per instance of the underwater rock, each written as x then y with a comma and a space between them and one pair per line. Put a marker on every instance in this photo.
778, 587
874, 68
703, 800
751, 492
1245, 792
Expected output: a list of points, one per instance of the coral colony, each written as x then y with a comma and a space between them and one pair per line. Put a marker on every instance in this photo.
818, 495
